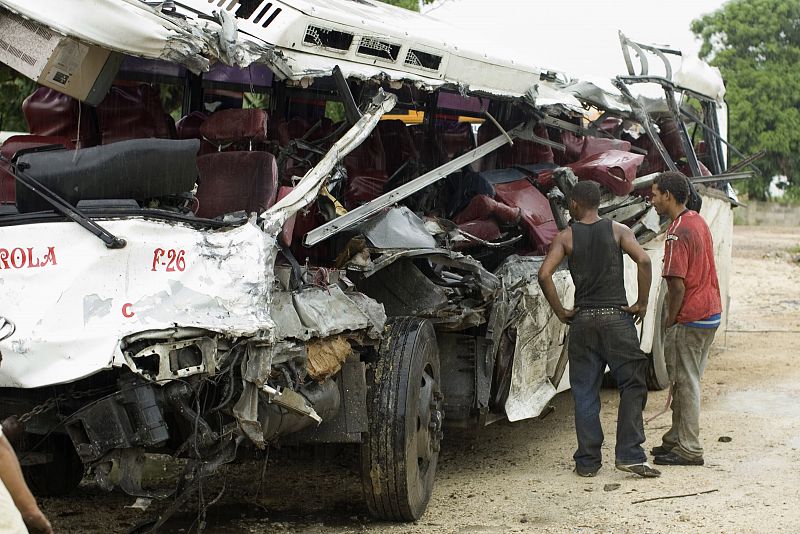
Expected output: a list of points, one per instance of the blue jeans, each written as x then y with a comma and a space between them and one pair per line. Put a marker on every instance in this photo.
594, 342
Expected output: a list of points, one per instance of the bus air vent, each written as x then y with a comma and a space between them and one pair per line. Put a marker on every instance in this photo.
424, 60
327, 38
370, 46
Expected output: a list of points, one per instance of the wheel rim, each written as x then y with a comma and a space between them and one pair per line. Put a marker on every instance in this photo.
428, 426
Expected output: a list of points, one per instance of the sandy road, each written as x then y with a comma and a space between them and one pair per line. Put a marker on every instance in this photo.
517, 477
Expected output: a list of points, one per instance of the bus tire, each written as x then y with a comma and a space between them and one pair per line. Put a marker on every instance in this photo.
400, 451
60, 476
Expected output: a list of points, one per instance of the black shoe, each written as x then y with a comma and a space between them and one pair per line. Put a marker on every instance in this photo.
673, 459
660, 450
585, 472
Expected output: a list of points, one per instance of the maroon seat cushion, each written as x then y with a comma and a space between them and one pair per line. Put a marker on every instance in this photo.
484, 207
234, 181
366, 171
457, 139
189, 128
537, 220
596, 145
615, 169
367, 185
574, 147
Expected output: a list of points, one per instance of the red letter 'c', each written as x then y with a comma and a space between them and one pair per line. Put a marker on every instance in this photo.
126, 310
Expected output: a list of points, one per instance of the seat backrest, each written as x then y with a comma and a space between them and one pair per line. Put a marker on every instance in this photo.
398, 144
235, 179
366, 171
133, 112
457, 139
53, 114
235, 128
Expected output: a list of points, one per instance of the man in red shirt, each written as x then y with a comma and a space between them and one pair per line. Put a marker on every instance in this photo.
693, 316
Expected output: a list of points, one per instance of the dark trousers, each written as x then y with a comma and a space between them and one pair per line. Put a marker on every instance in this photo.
597, 340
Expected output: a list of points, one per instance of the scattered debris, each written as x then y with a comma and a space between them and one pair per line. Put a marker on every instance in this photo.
725, 439
611, 487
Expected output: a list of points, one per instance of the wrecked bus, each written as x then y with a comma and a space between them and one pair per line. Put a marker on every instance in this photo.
212, 241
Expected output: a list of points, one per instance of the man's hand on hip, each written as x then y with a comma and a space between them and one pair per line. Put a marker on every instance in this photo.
638, 310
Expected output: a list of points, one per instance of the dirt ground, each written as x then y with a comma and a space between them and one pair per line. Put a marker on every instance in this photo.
518, 477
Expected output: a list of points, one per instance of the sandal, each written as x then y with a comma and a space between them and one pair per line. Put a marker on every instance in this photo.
643, 470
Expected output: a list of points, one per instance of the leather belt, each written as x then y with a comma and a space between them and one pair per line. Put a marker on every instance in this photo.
601, 311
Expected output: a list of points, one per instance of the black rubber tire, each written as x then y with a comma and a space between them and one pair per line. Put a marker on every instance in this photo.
657, 377
59, 477
400, 451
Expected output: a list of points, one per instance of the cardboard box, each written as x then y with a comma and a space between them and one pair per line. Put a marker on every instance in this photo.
80, 70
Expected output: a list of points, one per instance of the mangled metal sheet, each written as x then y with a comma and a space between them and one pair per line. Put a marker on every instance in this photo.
655, 250
540, 335
546, 95
167, 275
717, 213
601, 97
398, 227
324, 311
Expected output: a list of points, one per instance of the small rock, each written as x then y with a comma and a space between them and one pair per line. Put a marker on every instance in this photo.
588, 489
725, 439
523, 519
611, 487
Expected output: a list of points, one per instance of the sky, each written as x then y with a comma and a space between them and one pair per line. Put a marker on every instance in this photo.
578, 37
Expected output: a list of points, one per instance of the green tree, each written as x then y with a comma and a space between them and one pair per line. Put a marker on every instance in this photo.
14, 87
413, 5
756, 45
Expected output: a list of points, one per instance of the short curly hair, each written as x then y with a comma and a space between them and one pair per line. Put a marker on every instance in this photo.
587, 194
675, 183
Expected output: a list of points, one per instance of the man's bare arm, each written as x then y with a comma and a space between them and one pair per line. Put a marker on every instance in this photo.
11, 475
675, 292
644, 275
554, 257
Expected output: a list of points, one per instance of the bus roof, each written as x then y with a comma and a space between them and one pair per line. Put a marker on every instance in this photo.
305, 39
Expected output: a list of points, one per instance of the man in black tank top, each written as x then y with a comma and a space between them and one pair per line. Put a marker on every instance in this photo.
602, 330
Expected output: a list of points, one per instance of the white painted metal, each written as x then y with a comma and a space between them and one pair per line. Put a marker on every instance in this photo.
72, 312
